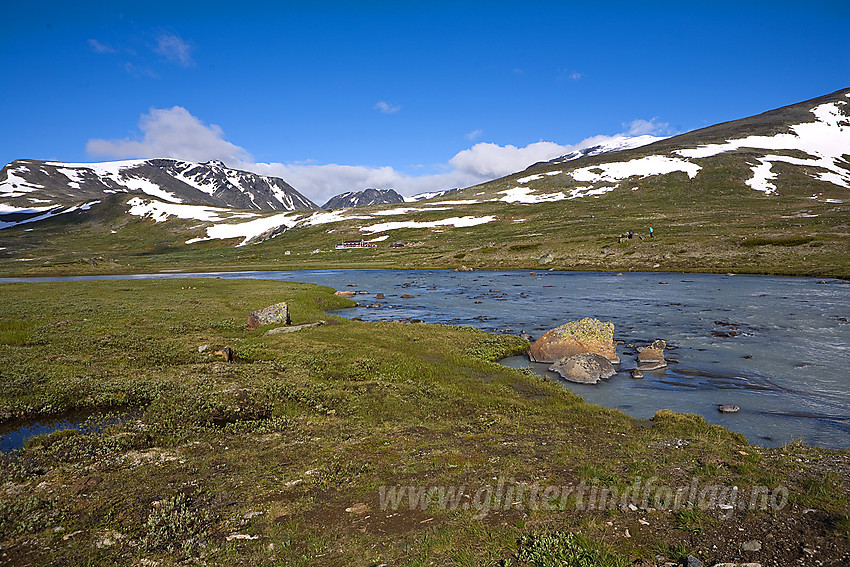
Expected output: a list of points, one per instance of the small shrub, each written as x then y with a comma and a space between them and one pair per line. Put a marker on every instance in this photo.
563, 549
173, 526
28, 514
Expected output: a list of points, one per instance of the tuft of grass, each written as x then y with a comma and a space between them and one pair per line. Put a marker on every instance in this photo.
690, 520
563, 549
15, 333
823, 492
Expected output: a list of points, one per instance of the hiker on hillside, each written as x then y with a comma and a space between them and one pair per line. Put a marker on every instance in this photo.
651, 234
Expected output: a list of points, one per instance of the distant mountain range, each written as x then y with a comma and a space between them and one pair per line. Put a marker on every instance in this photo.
768, 191
365, 198
33, 186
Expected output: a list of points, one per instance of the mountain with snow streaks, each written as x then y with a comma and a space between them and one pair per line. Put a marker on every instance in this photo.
769, 194
365, 198
33, 185
616, 144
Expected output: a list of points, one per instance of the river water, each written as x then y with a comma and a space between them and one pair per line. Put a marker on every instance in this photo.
777, 347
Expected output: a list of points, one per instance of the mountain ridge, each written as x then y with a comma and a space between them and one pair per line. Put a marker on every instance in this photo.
36, 185
364, 198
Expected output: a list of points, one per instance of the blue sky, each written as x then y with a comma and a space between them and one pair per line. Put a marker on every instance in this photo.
334, 96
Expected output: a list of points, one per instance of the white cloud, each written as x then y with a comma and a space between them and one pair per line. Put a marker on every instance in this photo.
172, 133
641, 127
172, 47
98, 47
386, 107
474, 135
492, 160
175, 133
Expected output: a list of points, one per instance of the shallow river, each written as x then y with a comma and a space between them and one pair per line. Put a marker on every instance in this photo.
777, 347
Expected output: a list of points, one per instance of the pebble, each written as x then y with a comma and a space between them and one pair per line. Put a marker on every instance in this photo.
752, 545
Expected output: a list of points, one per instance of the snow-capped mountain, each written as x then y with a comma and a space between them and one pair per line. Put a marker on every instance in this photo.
364, 198
616, 144
812, 136
429, 195
32, 185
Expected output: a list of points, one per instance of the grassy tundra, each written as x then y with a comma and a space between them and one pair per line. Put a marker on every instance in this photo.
280, 456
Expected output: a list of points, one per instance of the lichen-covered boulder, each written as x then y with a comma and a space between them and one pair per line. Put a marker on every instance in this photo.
584, 368
273, 314
576, 337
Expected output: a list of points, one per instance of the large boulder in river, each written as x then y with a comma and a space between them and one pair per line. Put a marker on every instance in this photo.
652, 357
576, 337
584, 368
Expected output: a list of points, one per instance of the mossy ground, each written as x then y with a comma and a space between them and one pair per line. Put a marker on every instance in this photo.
256, 462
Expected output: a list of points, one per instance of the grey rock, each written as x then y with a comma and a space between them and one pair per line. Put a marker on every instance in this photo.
637, 373
545, 259
277, 313
728, 408
752, 545
293, 328
584, 368
692, 561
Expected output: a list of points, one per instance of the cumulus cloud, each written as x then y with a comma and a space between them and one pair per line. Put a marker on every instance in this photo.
98, 47
172, 133
386, 107
176, 133
641, 127
172, 48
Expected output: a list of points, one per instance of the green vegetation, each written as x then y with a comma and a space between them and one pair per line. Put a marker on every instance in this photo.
280, 456
561, 549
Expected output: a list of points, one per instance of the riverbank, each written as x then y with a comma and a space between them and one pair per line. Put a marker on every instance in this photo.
281, 455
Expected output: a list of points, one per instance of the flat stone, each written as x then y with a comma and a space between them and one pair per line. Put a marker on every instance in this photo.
293, 328
752, 545
584, 368
728, 408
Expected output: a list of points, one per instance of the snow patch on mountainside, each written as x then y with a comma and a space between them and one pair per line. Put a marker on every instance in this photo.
614, 172
151, 189
160, 212
54, 212
525, 196
827, 140
456, 222
247, 230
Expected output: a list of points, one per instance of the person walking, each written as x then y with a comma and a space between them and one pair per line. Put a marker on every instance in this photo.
651, 232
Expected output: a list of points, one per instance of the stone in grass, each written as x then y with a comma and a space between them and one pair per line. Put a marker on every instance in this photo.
575, 337
273, 314
584, 368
